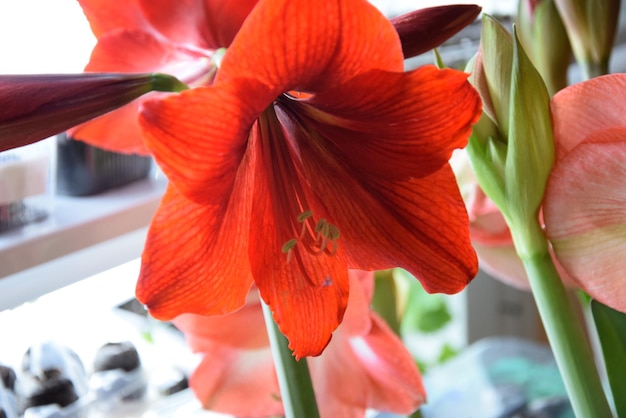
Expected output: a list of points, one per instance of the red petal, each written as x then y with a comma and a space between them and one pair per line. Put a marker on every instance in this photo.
398, 125
199, 138
117, 131
203, 269
584, 211
299, 44
203, 23
421, 223
106, 15
132, 51
128, 50
307, 292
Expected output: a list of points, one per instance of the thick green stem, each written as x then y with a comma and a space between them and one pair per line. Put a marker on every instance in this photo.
296, 389
567, 339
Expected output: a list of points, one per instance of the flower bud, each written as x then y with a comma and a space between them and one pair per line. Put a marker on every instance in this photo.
512, 150
35, 107
425, 29
591, 26
543, 35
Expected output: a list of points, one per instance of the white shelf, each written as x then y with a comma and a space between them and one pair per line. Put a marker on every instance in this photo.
81, 237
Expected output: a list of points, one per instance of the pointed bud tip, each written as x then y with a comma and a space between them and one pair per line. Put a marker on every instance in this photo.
425, 29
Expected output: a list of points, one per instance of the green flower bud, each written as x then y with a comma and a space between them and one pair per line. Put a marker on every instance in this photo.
591, 26
544, 37
511, 148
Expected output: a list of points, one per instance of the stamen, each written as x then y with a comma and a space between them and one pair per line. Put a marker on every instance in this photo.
325, 234
305, 215
288, 246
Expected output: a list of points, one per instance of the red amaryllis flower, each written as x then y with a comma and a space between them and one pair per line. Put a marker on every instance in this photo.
181, 38
168, 36
34, 107
236, 374
312, 152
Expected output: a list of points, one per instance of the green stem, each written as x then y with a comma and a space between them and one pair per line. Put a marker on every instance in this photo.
296, 389
384, 299
567, 339
594, 69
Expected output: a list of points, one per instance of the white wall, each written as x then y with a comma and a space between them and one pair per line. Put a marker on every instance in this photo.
43, 36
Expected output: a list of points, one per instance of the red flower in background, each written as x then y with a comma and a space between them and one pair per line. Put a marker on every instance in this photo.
167, 36
236, 374
289, 190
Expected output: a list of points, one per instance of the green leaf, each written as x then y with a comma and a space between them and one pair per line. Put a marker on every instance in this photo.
611, 327
423, 312
447, 352
434, 317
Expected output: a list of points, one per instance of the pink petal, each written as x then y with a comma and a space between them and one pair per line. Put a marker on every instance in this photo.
583, 108
585, 215
396, 385
369, 358
502, 263
243, 329
238, 382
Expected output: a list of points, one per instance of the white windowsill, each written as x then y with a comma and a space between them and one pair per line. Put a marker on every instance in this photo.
81, 237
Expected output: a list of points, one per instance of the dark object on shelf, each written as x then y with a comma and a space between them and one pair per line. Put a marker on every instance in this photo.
170, 381
84, 170
113, 356
8, 376
117, 368
8, 399
16, 213
52, 373
54, 388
